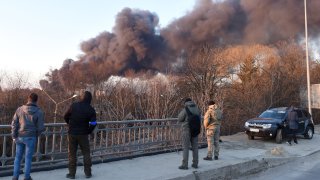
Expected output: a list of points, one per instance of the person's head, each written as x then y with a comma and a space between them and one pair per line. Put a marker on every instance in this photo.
86, 97
187, 100
33, 98
291, 107
211, 103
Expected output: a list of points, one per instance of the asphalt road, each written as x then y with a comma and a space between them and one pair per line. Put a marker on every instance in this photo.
305, 168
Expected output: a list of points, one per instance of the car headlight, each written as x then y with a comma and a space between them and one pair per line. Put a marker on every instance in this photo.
266, 126
246, 124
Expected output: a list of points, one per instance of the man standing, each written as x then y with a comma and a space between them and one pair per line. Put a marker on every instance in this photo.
186, 134
293, 125
81, 119
27, 124
212, 123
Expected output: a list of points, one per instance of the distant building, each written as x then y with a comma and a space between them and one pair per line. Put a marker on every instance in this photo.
314, 96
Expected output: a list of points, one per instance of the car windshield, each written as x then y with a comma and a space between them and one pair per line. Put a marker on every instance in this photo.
273, 114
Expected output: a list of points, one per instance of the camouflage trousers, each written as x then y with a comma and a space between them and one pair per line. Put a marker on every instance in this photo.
187, 140
83, 142
213, 136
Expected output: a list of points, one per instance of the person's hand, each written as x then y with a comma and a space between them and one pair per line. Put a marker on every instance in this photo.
15, 140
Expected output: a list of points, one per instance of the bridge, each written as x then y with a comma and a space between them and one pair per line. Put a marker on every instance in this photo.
149, 149
112, 140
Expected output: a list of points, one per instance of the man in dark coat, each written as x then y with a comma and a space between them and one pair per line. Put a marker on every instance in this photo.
293, 125
81, 119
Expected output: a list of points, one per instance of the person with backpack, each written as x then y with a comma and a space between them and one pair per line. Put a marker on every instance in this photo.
190, 120
212, 123
81, 120
27, 124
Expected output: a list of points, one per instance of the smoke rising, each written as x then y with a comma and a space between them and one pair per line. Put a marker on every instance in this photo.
135, 45
242, 21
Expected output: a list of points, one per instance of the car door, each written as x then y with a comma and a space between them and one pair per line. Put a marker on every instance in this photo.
301, 120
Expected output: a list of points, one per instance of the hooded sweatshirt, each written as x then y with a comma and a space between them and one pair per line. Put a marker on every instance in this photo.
28, 121
182, 117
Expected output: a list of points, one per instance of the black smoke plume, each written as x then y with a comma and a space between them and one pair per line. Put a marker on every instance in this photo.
137, 43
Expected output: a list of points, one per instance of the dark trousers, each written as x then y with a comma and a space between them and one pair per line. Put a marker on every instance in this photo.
292, 135
83, 142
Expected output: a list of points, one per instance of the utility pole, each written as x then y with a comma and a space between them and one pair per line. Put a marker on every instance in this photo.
307, 56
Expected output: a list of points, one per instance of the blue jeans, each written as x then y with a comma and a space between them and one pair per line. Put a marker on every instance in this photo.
24, 145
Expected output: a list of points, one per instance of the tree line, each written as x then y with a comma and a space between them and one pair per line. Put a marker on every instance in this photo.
243, 79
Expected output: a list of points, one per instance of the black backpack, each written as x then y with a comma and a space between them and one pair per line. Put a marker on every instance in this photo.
194, 123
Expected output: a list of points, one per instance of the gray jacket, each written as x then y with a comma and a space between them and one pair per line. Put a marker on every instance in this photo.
28, 121
182, 117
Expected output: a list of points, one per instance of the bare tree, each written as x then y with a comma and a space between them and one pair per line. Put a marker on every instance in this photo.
205, 72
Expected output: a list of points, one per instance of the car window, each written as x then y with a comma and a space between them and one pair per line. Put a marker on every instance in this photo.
299, 113
273, 114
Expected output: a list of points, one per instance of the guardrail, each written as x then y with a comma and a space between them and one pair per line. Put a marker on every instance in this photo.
112, 139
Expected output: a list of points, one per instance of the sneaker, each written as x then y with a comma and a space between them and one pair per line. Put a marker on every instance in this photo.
88, 175
296, 142
207, 158
30, 178
195, 166
289, 143
216, 158
70, 176
183, 167
14, 178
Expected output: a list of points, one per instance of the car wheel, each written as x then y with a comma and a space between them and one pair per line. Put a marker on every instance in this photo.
309, 132
250, 137
279, 136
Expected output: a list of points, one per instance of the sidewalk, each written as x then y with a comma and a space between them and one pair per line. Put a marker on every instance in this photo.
238, 156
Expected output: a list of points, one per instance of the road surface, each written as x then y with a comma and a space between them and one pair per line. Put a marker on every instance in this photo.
304, 168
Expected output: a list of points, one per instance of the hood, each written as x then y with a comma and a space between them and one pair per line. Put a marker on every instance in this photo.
264, 120
86, 97
30, 108
190, 104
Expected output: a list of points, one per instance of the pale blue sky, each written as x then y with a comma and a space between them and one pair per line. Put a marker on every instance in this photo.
36, 35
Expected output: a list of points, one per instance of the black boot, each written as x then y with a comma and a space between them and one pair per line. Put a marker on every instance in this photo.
70, 176
88, 175
207, 158
183, 167
195, 166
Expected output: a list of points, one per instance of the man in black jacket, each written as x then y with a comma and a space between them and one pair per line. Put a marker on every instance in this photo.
81, 119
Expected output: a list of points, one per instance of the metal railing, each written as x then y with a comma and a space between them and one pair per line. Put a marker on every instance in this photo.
111, 140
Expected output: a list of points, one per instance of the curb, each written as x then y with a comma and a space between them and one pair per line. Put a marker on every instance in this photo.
240, 169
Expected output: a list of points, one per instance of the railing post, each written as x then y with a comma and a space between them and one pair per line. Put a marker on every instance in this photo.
94, 140
4, 150
61, 138
38, 149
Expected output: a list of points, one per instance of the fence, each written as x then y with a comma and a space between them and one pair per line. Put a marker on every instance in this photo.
112, 139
